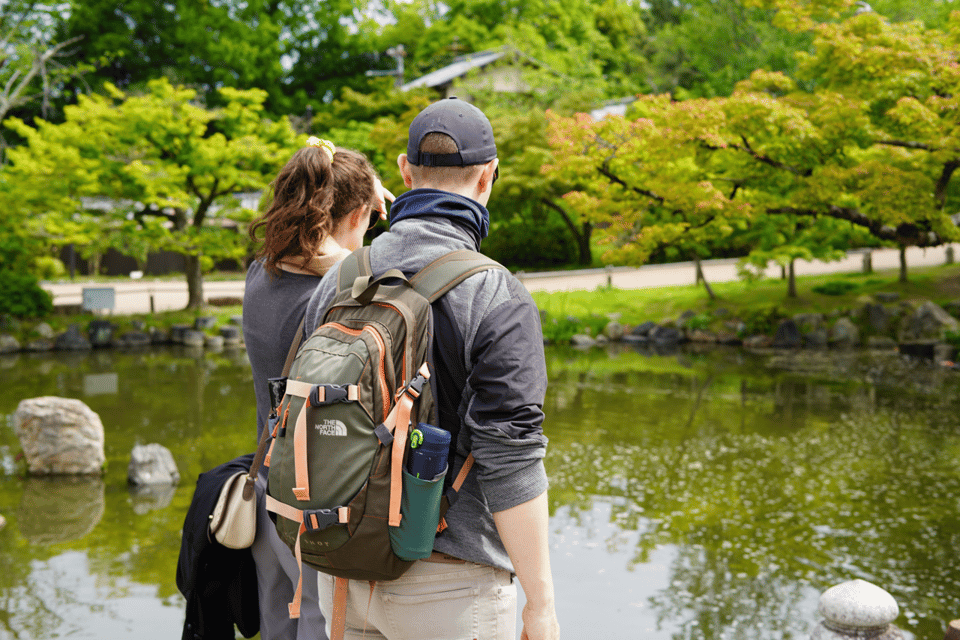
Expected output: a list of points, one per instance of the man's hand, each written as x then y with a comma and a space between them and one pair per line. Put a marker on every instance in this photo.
523, 529
539, 624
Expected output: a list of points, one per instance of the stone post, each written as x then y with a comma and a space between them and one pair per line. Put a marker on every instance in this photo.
867, 261
609, 270
857, 609
953, 631
949, 258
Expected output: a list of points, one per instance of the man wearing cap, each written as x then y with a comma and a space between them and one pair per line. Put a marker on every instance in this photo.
491, 379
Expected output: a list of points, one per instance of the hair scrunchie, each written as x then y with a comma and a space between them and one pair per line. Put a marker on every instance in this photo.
326, 145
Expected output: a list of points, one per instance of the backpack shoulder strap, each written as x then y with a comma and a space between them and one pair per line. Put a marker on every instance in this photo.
355, 265
448, 271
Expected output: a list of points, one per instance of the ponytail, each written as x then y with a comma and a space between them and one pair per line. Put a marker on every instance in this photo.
313, 193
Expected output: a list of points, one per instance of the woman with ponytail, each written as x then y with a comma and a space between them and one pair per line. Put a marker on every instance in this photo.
324, 200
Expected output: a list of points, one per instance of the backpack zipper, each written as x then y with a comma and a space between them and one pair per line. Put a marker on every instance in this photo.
383, 369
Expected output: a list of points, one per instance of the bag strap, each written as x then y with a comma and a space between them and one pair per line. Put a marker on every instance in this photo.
449, 270
265, 437
354, 266
294, 347
432, 281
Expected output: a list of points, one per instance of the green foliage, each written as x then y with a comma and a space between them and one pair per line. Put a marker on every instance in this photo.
49, 268
952, 338
761, 321
835, 288
518, 243
295, 51
702, 48
166, 169
22, 297
794, 168
32, 67
701, 321
559, 329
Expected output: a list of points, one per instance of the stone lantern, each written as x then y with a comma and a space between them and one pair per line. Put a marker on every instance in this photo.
857, 609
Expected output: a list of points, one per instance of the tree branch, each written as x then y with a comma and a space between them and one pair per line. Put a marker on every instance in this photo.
604, 171
907, 144
905, 234
940, 191
13, 92
563, 214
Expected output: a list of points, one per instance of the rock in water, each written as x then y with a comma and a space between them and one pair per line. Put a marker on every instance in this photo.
152, 464
59, 436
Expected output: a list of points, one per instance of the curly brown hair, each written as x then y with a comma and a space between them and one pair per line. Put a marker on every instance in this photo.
311, 195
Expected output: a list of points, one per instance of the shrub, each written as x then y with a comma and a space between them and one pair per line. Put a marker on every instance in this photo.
700, 321
761, 321
952, 338
22, 297
49, 268
521, 243
835, 288
560, 330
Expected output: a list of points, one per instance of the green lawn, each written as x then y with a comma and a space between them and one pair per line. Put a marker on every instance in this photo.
940, 284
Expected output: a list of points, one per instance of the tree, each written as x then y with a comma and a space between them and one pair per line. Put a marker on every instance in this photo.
170, 168
872, 144
297, 52
647, 181
32, 66
702, 48
901, 81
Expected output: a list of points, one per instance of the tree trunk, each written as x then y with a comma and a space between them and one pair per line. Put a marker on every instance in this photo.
791, 281
701, 278
585, 257
194, 282
903, 264
581, 236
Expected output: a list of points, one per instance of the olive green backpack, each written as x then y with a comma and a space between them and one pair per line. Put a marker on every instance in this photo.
343, 501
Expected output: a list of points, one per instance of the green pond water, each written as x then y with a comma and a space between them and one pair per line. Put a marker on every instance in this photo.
693, 495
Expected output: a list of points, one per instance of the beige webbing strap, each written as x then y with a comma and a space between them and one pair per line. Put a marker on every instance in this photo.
462, 475
296, 515
401, 416
338, 622
301, 474
300, 462
457, 483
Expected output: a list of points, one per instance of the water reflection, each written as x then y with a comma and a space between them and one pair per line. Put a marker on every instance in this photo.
697, 495
770, 487
59, 510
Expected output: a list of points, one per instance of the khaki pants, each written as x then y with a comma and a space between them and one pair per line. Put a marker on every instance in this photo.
431, 601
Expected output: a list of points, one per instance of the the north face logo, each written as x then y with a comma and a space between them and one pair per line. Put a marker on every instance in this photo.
331, 428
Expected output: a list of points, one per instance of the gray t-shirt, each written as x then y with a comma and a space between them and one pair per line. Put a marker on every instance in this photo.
272, 309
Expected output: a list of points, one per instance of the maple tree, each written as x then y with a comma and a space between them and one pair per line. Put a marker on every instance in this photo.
864, 138
168, 168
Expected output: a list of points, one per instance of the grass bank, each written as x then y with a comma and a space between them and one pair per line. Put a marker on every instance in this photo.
758, 303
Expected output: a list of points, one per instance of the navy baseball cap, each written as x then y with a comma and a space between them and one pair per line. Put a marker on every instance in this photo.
460, 120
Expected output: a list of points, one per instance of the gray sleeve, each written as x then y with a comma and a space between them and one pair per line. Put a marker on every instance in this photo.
506, 388
319, 301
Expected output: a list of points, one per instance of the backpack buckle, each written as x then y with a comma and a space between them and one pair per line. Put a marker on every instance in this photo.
331, 393
319, 519
416, 386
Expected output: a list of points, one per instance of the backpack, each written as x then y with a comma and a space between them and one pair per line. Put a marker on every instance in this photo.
343, 502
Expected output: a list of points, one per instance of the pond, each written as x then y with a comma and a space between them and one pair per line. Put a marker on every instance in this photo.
693, 495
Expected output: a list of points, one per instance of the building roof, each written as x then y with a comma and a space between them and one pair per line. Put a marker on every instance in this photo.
457, 69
